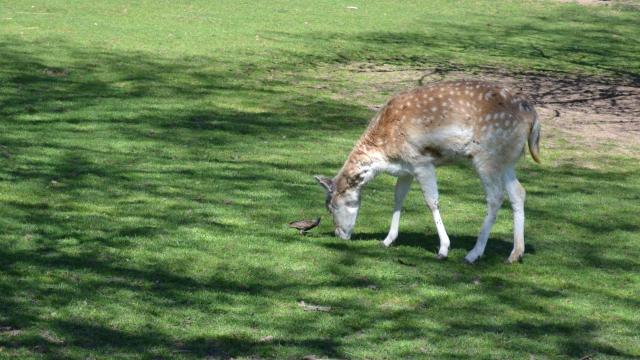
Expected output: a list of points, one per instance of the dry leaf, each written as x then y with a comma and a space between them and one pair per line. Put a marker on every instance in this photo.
309, 307
52, 338
267, 338
405, 263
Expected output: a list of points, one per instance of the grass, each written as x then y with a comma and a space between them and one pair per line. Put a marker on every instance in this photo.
152, 154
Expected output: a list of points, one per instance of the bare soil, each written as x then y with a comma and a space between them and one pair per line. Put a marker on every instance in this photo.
587, 2
631, 3
588, 111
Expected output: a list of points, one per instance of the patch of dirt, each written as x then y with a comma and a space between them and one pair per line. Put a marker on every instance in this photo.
587, 2
56, 72
588, 111
630, 3
9, 331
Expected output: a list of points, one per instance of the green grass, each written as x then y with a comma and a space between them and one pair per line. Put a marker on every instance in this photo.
152, 154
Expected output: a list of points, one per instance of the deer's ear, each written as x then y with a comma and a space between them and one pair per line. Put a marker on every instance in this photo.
326, 182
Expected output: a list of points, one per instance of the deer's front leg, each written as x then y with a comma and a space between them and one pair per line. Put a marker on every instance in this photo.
402, 188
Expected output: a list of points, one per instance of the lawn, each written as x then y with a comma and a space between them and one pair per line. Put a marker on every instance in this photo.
153, 152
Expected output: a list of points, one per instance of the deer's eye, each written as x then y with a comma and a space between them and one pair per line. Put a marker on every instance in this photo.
351, 203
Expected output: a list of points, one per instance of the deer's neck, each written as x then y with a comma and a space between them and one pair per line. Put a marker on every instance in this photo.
362, 165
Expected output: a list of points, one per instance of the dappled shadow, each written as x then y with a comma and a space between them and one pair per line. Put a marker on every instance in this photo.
537, 40
497, 249
535, 54
106, 146
134, 173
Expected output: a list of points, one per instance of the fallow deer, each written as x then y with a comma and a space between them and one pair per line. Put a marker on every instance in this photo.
417, 130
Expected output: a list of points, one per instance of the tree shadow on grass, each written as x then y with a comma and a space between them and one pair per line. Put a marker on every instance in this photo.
431, 241
157, 153
537, 41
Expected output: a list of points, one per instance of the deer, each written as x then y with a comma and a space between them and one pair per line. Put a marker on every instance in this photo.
481, 123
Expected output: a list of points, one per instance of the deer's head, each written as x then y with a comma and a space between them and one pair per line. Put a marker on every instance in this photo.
343, 203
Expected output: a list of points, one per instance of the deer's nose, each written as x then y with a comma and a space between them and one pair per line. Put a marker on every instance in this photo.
341, 234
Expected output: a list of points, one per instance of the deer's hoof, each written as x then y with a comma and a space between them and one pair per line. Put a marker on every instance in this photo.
471, 259
386, 242
515, 256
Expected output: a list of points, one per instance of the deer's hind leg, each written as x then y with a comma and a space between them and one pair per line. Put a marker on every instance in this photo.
494, 189
426, 176
516, 196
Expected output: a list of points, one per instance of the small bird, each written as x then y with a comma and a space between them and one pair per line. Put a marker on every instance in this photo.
304, 225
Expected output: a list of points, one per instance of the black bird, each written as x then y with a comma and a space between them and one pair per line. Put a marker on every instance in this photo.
304, 225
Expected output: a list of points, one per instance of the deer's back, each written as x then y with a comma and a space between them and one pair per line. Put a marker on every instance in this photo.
450, 120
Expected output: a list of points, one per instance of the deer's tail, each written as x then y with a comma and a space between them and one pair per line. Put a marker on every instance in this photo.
534, 138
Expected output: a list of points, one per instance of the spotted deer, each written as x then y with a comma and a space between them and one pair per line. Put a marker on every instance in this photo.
420, 129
